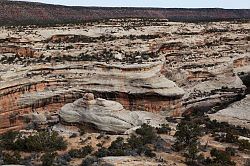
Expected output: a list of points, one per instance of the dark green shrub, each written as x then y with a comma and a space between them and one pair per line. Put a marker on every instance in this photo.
74, 153
164, 129
149, 153
48, 158
187, 134
227, 137
244, 145
191, 154
221, 158
82, 131
41, 141
147, 133
135, 141
89, 161
136, 144
230, 151
117, 147
14, 158
103, 152
80, 153
7, 139
99, 145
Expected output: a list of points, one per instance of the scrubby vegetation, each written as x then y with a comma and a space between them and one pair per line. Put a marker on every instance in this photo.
39, 142
164, 129
80, 153
136, 144
187, 135
222, 131
146, 141
192, 127
48, 158
143, 142
11, 158
220, 158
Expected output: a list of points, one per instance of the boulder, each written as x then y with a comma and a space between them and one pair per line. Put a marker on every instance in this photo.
106, 115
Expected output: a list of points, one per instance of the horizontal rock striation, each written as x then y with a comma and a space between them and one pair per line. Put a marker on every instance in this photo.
205, 66
137, 87
154, 66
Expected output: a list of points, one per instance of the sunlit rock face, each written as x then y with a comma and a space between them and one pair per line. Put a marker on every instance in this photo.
106, 115
237, 114
139, 87
242, 68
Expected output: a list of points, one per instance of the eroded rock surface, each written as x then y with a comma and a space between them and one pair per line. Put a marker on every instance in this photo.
242, 68
144, 65
237, 113
137, 87
106, 115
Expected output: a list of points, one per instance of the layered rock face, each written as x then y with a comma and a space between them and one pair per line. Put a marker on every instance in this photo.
36, 84
137, 87
106, 115
203, 63
144, 65
238, 113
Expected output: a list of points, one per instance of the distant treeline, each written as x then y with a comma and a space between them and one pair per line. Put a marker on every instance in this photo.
28, 13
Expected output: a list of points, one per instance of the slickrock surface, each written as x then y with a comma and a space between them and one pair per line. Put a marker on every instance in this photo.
106, 115
154, 66
237, 113
129, 161
242, 68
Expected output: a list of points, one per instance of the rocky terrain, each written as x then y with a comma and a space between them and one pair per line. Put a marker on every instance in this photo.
122, 73
165, 67
26, 13
237, 113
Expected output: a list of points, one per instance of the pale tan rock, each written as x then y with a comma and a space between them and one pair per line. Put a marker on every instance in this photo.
237, 113
107, 115
129, 161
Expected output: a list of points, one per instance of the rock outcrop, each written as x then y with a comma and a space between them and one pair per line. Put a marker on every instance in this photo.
204, 66
137, 87
106, 115
242, 68
237, 114
19, 51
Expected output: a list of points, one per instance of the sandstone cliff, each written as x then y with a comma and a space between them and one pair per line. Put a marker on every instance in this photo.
154, 66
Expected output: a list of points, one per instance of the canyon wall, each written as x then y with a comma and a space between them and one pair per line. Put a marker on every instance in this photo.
137, 87
158, 66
